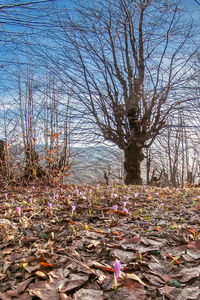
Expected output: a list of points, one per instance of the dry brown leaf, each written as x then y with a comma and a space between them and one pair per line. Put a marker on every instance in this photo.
132, 276
23, 285
88, 294
5, 296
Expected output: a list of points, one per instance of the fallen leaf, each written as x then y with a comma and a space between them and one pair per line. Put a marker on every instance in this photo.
125, 256
41, 275
170, 292
44, 264
188, 273
194, 253
87, 294
23, 285
134, 277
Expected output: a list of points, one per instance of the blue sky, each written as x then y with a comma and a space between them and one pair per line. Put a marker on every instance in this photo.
190, 4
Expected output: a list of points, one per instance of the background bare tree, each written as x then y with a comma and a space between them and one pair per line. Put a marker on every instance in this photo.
175, 152
21, 92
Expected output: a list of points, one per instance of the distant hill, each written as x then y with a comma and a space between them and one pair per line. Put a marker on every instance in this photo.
91, 163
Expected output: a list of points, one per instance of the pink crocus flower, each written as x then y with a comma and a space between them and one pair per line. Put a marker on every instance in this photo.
77, 192
50, 205
6, 196
57, 196
117, 267
125, 210
73, 208
115, 195
115, 207
33, 187
126, 198
124, 204
19, 211
136, 195
30, 200
61, 189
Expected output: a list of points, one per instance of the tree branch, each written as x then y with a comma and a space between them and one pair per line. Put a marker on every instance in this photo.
197, 2
24, 4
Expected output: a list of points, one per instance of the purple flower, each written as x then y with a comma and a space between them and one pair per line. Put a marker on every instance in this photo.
6, 196
57, 196
125, 210
19, 211
73, 208
30, 200
50, 205
117, 267
61, 189
33, 187
136, 195
124, 204
126, 198
77, 192
115, 207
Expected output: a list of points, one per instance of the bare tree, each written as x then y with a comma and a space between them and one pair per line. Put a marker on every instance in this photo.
126, 60
21, 21
175, 152
56, 115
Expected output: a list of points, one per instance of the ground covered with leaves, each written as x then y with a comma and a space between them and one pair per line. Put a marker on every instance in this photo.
61, 243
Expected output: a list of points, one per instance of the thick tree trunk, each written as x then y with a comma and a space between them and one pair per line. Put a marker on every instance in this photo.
3, 169
133, 156
2, 151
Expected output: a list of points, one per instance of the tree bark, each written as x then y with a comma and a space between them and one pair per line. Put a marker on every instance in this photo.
133, 156
3, 169
32, 168
2, 151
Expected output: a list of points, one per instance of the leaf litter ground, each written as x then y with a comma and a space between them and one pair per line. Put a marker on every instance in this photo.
61, 242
